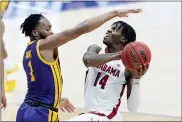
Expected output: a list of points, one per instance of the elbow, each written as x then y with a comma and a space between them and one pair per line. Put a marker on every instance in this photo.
86, 61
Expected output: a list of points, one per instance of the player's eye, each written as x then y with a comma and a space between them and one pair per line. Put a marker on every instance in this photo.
114, 28
48, 28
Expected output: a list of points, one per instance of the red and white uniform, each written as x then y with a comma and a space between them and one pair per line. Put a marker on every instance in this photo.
104, 87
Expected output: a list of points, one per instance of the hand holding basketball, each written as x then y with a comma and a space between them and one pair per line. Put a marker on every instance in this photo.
140, 72
136, 57
124, 13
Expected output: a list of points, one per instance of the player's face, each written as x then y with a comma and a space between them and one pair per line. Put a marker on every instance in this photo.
114, 39
44, 28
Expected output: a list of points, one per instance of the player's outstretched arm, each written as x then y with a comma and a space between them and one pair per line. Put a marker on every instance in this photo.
92, 59
58, 39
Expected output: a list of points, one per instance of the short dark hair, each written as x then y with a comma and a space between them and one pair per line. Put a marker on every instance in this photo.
30, 23
127, 31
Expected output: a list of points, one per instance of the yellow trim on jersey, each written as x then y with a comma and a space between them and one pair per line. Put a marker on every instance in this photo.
55, 85
50, 116
57, 120
41, 58
60, 76
54, 116
29, 43
59, 83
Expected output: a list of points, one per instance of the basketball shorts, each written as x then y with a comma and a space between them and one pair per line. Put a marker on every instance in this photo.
27, 113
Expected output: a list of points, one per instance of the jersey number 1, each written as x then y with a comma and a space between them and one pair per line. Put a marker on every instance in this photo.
31, 71
102, 81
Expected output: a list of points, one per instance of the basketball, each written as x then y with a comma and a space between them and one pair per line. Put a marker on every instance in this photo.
135, 54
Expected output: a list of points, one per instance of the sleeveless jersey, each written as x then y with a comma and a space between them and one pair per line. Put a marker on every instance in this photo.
44, 78
104, 87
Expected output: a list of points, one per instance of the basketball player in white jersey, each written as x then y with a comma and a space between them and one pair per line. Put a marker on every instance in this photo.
106, 77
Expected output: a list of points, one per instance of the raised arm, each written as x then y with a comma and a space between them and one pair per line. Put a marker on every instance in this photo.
92, 59
58, 39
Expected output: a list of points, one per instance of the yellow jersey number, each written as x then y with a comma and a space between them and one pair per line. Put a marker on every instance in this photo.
31, 71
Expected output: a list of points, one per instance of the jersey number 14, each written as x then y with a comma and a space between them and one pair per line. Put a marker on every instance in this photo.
102, 81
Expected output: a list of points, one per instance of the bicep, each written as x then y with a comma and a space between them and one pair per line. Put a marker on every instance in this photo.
58, 39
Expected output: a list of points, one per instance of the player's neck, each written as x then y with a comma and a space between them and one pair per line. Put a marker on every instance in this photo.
109, 51
33, 39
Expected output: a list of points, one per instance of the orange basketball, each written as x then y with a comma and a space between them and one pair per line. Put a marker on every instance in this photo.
135, 54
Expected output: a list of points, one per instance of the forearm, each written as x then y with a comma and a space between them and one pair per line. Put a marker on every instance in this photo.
133, 102
2, 74
95, 22
93, 59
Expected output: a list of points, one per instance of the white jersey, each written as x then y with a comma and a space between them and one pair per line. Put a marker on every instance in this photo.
104, 87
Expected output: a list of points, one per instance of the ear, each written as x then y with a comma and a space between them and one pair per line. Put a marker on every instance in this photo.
123, 40
35, 33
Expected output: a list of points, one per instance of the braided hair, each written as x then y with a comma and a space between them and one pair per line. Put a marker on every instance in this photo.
30, 23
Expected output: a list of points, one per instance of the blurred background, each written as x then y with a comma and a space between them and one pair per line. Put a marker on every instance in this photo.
159, 26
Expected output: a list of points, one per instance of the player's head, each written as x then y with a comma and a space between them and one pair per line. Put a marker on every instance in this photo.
36, 26
119, 35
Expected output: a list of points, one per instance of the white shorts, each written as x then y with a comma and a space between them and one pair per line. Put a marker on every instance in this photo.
95, 117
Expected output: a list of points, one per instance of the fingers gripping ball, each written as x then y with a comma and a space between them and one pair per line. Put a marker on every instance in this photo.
135, 54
